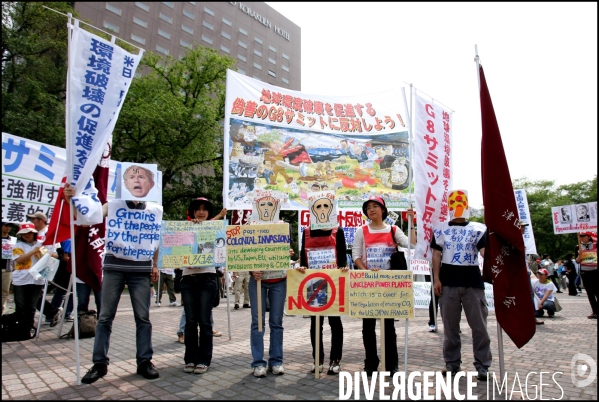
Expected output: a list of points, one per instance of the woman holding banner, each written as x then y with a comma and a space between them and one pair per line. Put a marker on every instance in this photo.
325, 241
377, 234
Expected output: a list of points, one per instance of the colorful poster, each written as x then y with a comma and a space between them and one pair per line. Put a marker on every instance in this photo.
524, 213
189, 244
317, 292
349, 220
31, 175
323, 210
294, 142
574, 218
433, 166
381, 294
258, 247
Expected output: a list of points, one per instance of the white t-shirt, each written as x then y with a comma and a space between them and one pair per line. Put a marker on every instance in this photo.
21, 275
540, 289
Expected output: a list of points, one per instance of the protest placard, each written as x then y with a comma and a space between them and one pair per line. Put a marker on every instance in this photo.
323, 210
381, 294
574, 218
317, 292
258, 247
189, 244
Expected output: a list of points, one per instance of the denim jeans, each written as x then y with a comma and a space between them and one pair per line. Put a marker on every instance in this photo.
83, 293
275, 292
181, 330
26, 297
139, 285
57, 299
198, 292
547, 305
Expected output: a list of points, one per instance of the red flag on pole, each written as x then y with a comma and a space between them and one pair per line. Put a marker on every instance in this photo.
60, 219
504, 262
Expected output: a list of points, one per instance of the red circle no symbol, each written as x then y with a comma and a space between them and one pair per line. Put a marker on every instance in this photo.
302, 285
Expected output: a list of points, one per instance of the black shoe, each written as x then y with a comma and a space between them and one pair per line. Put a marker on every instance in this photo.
97, 371
267, 309
236, 306
147, 370
559, 291
246, 305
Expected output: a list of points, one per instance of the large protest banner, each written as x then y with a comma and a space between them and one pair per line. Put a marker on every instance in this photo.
317, 292
189, 244
381, 294
31, 175
422, 295
296, 142
574, 218
258, 247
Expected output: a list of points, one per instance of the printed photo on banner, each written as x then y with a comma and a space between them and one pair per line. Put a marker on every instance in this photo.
139, 182
258, 247
189, 244
266, 205
574, 218
317, 292
381, 294
293, 142
323, 210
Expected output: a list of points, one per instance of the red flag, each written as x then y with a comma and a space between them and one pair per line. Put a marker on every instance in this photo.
504, 262
61, 219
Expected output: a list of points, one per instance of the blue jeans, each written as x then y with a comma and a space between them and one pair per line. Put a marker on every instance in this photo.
275, 291
181, 330
139, 285
57, 299
83, 293
547, 305
198, 293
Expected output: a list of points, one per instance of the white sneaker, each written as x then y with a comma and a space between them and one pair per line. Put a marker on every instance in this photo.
200, 369
189, 367
174, 304
319, 368
432, 328
278, 370
157, 304
260, 371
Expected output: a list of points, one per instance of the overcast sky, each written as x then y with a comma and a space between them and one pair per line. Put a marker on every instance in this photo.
540, 61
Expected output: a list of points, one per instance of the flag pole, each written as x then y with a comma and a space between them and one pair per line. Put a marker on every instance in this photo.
227, 285
499, 330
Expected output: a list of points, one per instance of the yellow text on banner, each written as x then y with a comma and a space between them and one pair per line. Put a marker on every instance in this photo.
381, 294
317, 292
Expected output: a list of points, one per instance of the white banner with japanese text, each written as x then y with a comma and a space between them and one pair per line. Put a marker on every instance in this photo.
433, 169
524, 213
279, 139
574, 218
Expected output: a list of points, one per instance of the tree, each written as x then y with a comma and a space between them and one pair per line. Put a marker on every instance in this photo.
172, 116
34, 68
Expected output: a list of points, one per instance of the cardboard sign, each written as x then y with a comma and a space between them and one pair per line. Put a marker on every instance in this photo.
317, 292
574, 218
323, 210
266, 205
258, 247
189, 244
381, 294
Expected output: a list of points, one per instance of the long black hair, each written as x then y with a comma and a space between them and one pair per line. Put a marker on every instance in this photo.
194, 205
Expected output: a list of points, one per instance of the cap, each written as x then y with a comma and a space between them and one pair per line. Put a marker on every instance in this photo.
379, 201
6, 223
195, 204
543, 271
39, 215
26, 228
590, 234
524, 222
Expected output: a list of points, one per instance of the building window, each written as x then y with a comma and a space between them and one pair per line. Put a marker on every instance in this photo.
138, 39
185, 44
166, 18
239, 70
257, 52
226, 21
187, 29
161, 49
110, 26
285, 80
241, 57
169, 4
285, 68
258, 40
208, 25
209, 11
256, 77
243, 31
139, 22
226, 35
273, 61
272, 73
258, 66
114, 9
189, 14
242, 44
285, 56
272, 48
164, 34
225, 49
206, 39
143, 6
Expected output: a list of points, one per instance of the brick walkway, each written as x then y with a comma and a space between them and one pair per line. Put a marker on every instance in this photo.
45, 368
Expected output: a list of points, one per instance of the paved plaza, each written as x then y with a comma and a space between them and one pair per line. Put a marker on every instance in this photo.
44, 368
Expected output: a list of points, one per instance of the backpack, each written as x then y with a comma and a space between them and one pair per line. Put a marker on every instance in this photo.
15, 328
87, 326
398, 260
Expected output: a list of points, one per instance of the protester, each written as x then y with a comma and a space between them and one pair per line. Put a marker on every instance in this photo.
166, 278
549, 265
375, 233
459, 284
587, 258
134, 271
432, 326
561, 275
242, 280
523, 224
544, 290
571, 274
332, 239
8, 242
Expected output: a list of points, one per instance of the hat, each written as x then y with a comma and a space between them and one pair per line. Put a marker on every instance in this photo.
543, 271
39, 215
545, 264
590, 234
195, 204
379, 201
524, 222
26, 228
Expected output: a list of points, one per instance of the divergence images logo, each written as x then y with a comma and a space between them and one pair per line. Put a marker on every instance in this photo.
580, 366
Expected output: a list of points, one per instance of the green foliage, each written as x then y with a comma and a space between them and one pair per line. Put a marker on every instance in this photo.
172, 116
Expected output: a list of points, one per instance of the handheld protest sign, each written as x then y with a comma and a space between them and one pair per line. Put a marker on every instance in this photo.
323, 210
139, 182
266, 206
189, 244
381, 294
319, 292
